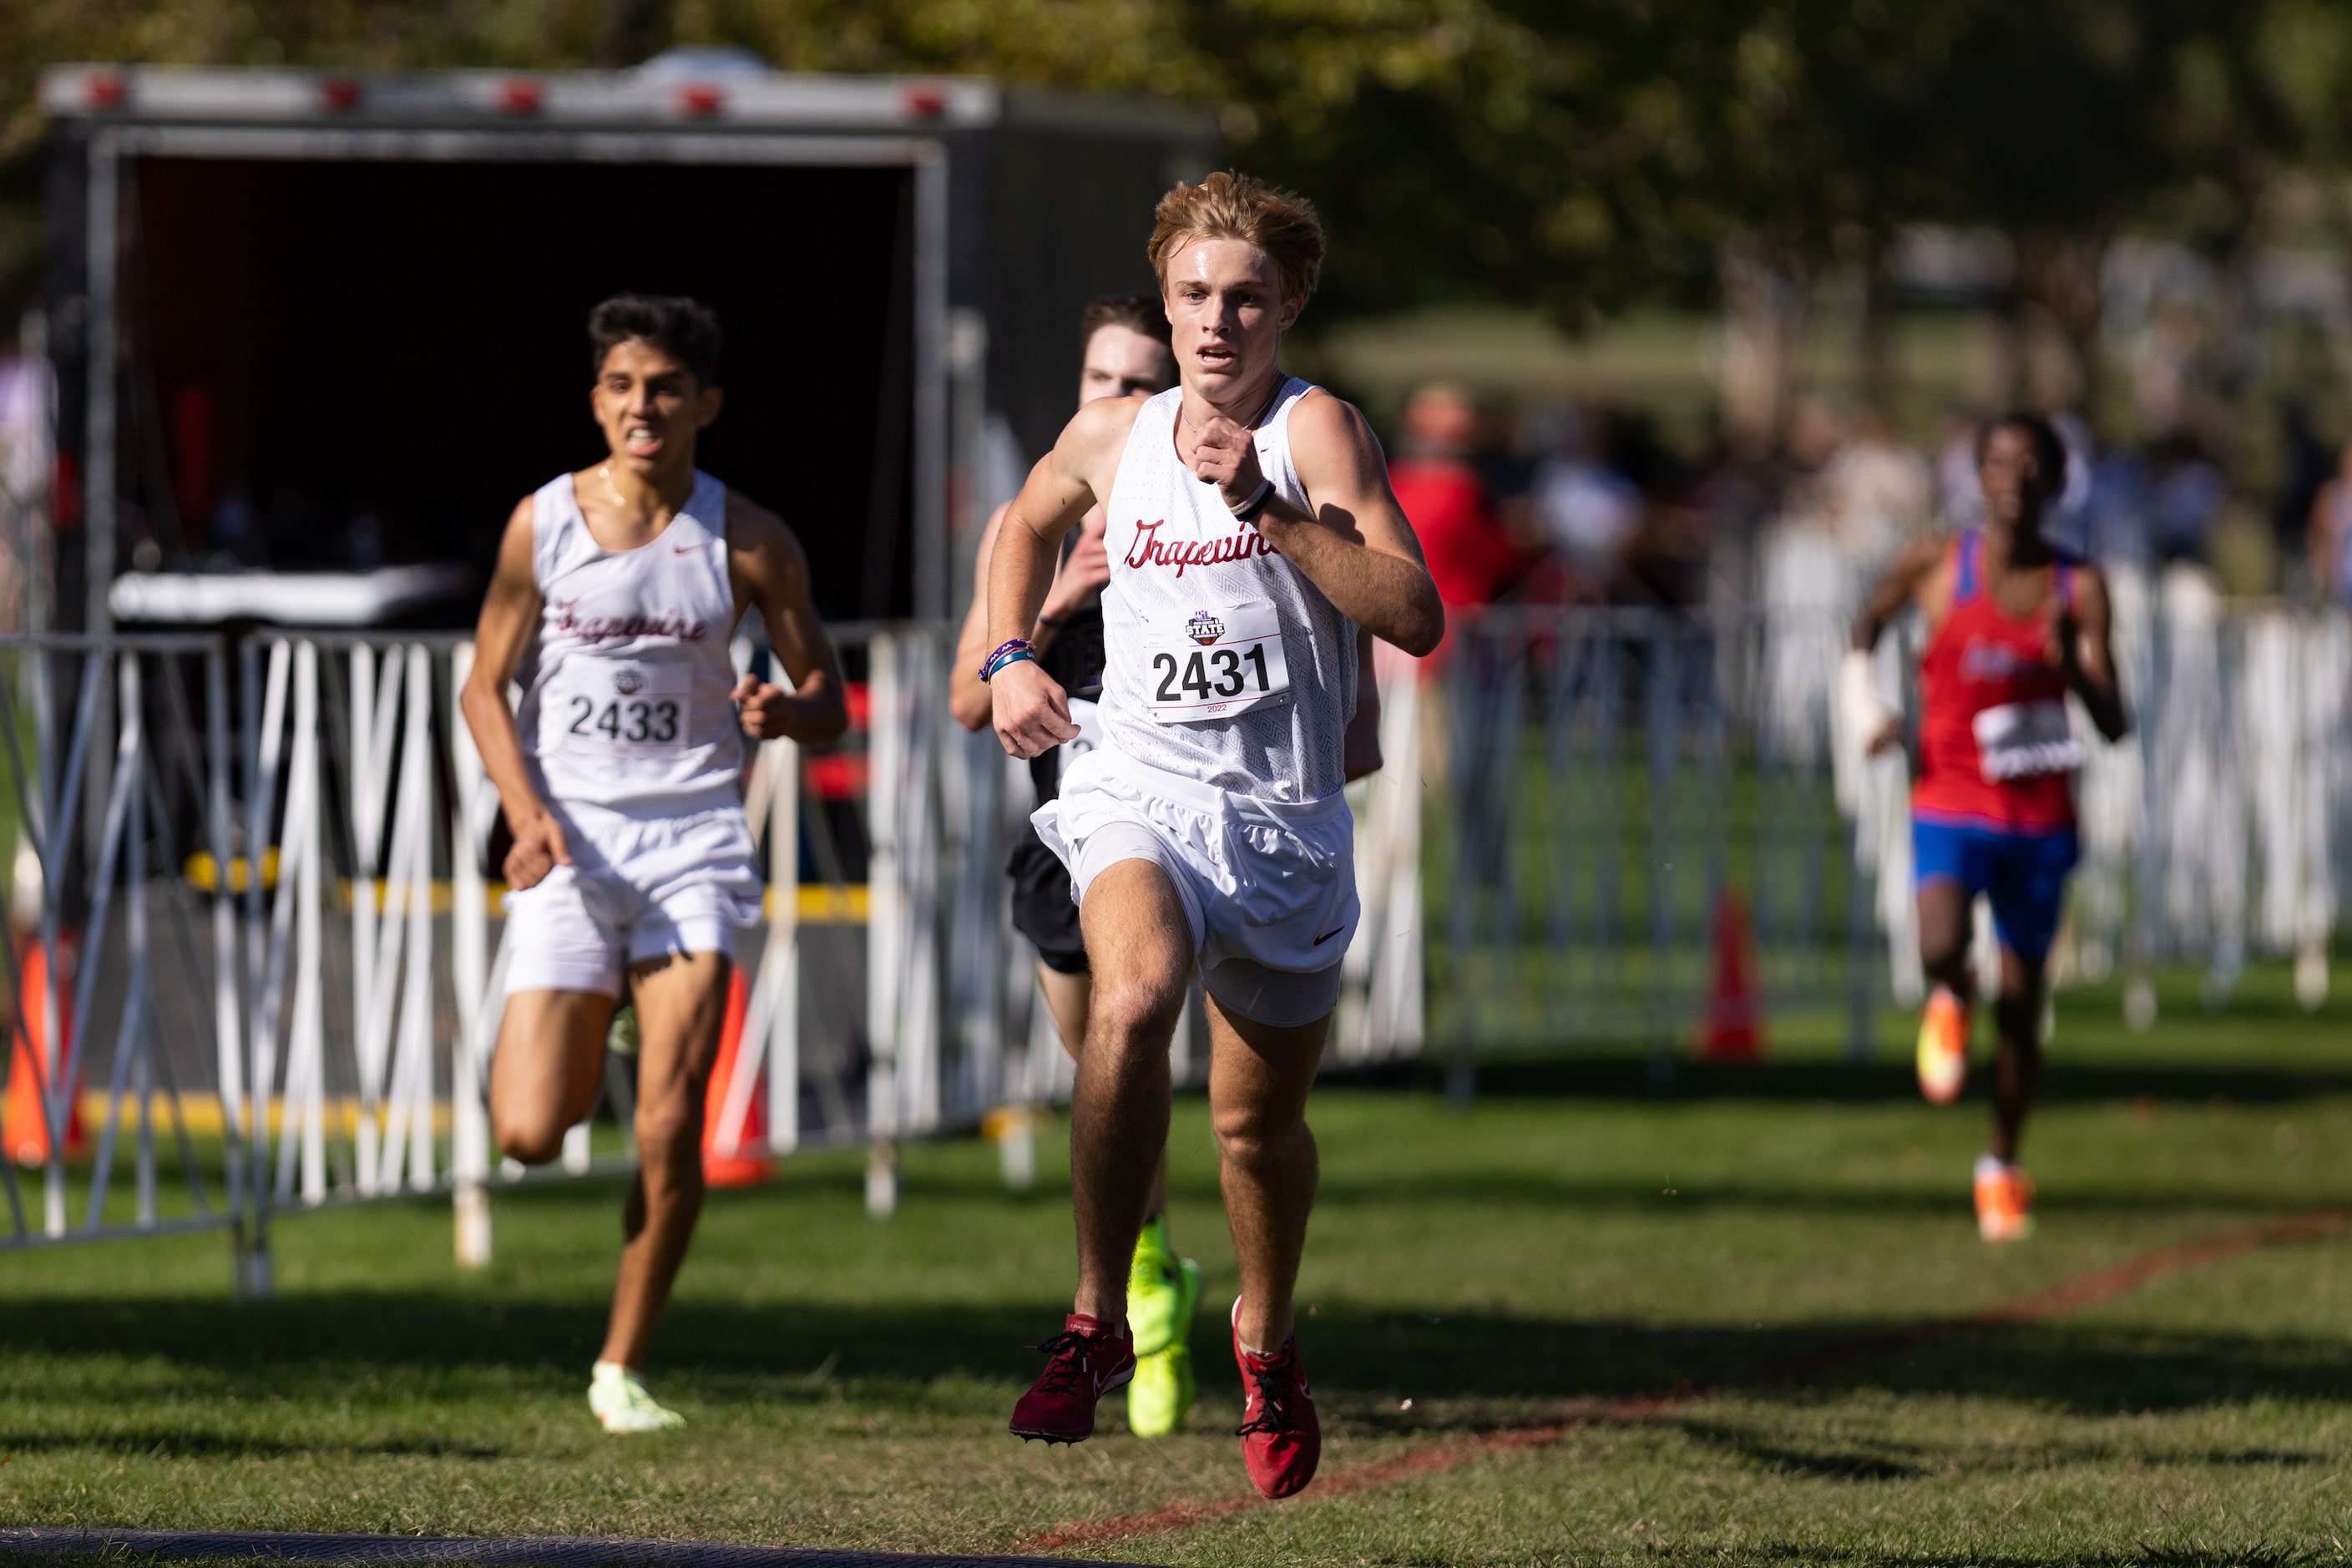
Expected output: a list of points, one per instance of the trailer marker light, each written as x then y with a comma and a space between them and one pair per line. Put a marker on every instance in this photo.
340, 93
701, 98
106, 91
925, 100
519, 97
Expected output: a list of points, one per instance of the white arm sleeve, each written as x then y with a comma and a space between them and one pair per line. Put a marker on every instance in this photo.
1865, 714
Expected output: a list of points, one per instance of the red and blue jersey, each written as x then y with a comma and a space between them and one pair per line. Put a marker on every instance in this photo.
1995, 747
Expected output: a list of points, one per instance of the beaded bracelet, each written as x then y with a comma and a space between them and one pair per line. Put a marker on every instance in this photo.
1015, 657
999, 659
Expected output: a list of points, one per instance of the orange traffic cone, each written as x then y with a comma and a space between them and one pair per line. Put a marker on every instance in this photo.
1734, 1009
23, 1127
737, 1169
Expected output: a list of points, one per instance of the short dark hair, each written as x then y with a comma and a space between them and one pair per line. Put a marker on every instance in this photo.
1136, 312
2048, 449
686, 329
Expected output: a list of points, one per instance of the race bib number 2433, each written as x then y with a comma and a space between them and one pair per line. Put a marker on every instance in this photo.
1216, 664
618, 708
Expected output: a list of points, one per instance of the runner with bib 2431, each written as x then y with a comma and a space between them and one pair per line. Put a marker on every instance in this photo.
1250, 533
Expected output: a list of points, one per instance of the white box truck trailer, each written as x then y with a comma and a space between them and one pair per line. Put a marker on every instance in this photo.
307, 320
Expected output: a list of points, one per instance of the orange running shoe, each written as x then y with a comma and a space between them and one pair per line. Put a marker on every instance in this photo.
1943, 1059
2004, 1200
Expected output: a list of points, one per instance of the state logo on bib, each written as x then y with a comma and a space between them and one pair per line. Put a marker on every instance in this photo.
1224, 661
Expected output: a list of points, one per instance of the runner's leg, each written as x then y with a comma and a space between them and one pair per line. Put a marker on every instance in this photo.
1118, 1107
549, 1065
681, 1004
1258, 1077
1944, 927
2017, 1068
1070, 998
2029, 896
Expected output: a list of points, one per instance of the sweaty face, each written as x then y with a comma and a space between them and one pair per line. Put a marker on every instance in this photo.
1121, 361
649, 405
2015, 487
1226, 312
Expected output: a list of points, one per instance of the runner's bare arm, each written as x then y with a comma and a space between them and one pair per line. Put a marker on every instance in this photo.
509, 621
1357, 547
1077, 581
1900, 586
2086, 654
1360, 750
967, 697
766, 567
1032, 712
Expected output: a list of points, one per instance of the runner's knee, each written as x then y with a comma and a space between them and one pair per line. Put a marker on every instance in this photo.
534, 1136
1132, 1007
1250, 1132
2018, 1017
669, 1130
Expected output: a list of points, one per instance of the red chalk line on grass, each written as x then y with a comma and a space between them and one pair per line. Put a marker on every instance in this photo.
2070, 1295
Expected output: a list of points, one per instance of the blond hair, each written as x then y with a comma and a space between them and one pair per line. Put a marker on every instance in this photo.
1233, 205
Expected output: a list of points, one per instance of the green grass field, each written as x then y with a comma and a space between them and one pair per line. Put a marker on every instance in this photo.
1480, 1284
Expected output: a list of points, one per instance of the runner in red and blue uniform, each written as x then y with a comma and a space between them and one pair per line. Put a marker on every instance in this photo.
2012, 628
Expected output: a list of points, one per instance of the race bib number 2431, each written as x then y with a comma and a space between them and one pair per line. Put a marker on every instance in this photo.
1216, 664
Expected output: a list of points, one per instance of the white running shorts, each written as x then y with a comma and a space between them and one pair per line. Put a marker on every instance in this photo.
1269, 888
636, 888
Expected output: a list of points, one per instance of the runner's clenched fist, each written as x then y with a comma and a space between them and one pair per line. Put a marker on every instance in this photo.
1224, 454
1030, 710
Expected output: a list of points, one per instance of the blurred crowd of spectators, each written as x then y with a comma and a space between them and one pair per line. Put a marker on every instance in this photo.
1559, 503
1582, 503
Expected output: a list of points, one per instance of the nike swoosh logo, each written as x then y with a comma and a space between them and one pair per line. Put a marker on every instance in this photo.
684, 549
1328, 935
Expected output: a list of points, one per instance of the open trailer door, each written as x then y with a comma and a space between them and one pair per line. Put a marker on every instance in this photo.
347, 322
343, 314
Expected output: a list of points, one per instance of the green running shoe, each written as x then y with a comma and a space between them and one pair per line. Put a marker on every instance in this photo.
1161, 1390
1162, 1291
619, 1399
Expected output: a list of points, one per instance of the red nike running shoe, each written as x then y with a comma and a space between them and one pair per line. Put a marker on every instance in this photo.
1281, 1440
1089, 1362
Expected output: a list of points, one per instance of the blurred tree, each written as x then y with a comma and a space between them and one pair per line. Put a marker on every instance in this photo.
630, 31
1575, 155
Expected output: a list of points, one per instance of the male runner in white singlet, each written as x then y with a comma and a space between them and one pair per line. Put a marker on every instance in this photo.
1251, 532
1124, 354
616, 593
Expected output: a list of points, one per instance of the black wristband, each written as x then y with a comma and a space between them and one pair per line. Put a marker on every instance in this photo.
1257, 503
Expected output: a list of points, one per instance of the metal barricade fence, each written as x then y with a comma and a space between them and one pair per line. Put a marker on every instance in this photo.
1621, 782
1613, 775
113, 978
312, 1023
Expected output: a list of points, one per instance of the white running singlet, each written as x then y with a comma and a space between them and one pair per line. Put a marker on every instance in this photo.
1228, 684
1225, 664
625, 691
630, 734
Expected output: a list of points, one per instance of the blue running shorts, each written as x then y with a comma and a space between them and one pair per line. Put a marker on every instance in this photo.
2023, 873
